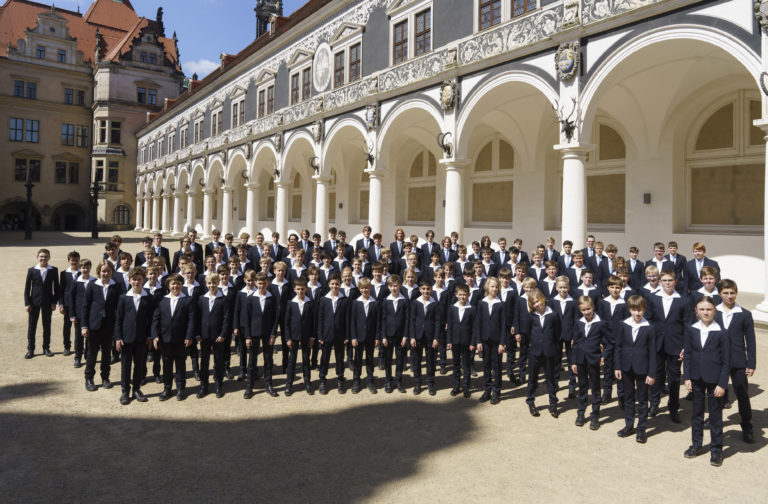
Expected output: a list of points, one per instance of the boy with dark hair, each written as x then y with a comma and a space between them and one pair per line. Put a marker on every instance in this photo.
41, 291
66, 284
133, 326
300, 332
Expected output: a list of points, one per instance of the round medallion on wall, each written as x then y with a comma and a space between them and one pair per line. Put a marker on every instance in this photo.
321, 67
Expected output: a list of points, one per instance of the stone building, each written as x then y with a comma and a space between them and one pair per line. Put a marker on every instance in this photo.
74, 89
635, 120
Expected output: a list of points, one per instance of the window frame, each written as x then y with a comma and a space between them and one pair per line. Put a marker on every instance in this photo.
495, 174
506, 13
217, 118
34, 130
425, 34
115, 130
407, 12
15, 129
68, 134
69, 96
81, 135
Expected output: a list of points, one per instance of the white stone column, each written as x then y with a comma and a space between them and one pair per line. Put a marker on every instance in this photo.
226, 211
374, 200
146, 225
155, 213
251, 208
176, 214
454, 195
281, 208
190, 210
139, 214
166, 219
761, 312
321, 204
207, 196
574, 209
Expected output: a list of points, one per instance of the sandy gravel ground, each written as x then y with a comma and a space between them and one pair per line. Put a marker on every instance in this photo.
63, 444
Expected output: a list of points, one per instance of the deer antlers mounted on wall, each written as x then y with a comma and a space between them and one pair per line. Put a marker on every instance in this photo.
567, 126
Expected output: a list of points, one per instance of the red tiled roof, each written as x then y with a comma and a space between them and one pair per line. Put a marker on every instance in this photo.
119, 15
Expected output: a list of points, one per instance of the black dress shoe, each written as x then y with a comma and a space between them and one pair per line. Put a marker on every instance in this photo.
78, 363
454, 391
417, 390
580, 420
248, 393
241, 377
372, 388
197, 375
67, 352
716, 459
388, 388
432, 390
467, 393
532, 409
653, 410
399, 387
202, 393
641, 437
626, 432
516, 380
124, 398
309, 389
443, 370
288, 391
485, 397
553, 411
48, 352
89, 386
381, 365
674, 416
322, 388
727, 404
228, 374
594, 423
181, 394
342, 387
692, 452
271, 391
150, 357
106, 383
355, 387
748, 437
139, 396
495, 399
219, 391
165, 394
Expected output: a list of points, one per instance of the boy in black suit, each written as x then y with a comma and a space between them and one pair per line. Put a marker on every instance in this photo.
588, 341
634, 362
213, 312
66, 284
365, 334
363, 243
300, 332
98, 322
41, 291
394, 333
460, 334
565, 260
156, 290
424, 334
740, 328
259, 314
693, 267
332, 323
132, 330
76, 300
706, 366
678, 263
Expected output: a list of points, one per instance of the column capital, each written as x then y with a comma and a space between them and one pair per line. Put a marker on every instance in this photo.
207, 192
455, 163
376, 173
761, 123
321, 178
227, 189
252, 185
574, 148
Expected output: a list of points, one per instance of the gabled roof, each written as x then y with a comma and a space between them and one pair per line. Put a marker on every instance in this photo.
115, 13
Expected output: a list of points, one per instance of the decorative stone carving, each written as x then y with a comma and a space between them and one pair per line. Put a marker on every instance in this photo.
317, 130
277, 141
448, 95
372, 116
595, 10
303, 110
761, 12
414, 70
355, 92
567, 60
321, 67
571, 13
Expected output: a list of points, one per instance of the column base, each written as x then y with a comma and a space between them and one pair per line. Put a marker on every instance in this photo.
760, 313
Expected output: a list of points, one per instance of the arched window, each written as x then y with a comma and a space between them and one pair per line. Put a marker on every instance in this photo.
121, 215
492, 182
606, 188
296, 198
725, 167
421, 188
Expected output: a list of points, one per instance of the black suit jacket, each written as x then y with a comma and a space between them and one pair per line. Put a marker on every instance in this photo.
198, 253
300, 325
544, 339
364, 327
38, 292
100, 313
66, 284
741, 334
174, 328
490, 327
692, 281
132, 325
587, 347
216, 322
710, 363
670, 329
423, 326
460, 331
261, 323
332, 326
638, 356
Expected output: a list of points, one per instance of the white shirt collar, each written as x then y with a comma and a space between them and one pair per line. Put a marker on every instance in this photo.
38, 267
101, 284
634, 325
218, 294
398, 298
663, 295
141, 294
595, 318
181, 295
425, 303
736, 308
714, 326
86, 280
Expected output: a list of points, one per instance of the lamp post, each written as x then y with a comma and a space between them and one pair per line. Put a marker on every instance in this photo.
28, 210
94, 206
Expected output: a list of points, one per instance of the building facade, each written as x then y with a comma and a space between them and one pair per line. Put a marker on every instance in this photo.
636, 120
70, 119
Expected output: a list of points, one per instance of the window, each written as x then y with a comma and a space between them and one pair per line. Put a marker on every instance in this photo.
492, 182
27, 167
160, 145
80, 97
151, 152
184, 136
490, 13
143, 155
400, 48
306, 84
82, 136
102, 138
421, 188
338, 69
153, 59
74, 173
121, 215
141, 95
69, 96
114, 172
67, 134
354, 62
423, 36
114, 132
32, 130
271, 99
40, 52
62, 55
216, 122
18, 88
16, 130
294, 89
520, 7
238, 113
171, 142
143, 56
152, 96
198, 132
60, 173
99, 171
262, 103
32, 90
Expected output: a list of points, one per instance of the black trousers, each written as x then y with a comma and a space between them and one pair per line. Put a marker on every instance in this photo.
293, 355
491, 367
335, 347
368, 346
79, 340
512, 363
631, 382
66, 330
243, 352
442, 353
535, 363
461, 365
589, 378
671, 364
423, 348
99, 340
133, 354
740, 384
219, 351
252, 369
522, 358
34, 316
394, 351
174, 355
702, 390
609, 375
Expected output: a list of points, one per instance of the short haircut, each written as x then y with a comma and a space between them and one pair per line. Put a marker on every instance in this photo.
622, 271
377, 267
461, 248
312, 270
425, 283
229, 236
257, 277
550, 264
233, 260
598, 244
668, 272
636, 302
578, 253
634, 250
173, 278
73, 255
585, 301
613, 280
563, 279
587, 271
462, 288
116, 238
672, 244
137, 272
158, 235
707, 270
377, 236
439, 273
279, 265
521, 266
364, 283
125, 255
332, 230
107, 264
651, 270
215, 231
222, 270
44, 251
334, 277
300, 282
567, 243
611, 248
658, 245
505, 272
529, 282
190, 267
110, 246
85, 263
367, 228
700, 246
488, 282
727, 283
212, 277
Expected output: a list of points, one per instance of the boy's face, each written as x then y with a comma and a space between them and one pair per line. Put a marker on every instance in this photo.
105, 274
229, 241
668, 283
305, 235
463, 254
377, 241
300, 290
475, 248
394, 289
550, 244
342, 238
567, 249
249, 282
447, 269
598, 250
365, 291
653, 278
189, 275
504, 281
435, 259
729, 297
112, 253
412, 260
462, 296
357, 265
502, 244
578, 261
614, 291
339, 251
136, 283
224, 278
279, 273
158, 241
192, 237
588, 311
334, 285
314, 277
216, 237
242, 255
658, 252
210, 263
425, 291
261, 285
520, 274
708, 281
706, 312
446, 242
74, 263
410, 279
672, 250
213, 287
377, 275
590, 243
637, 314
486, 256
218, 256
586, 279
538, 305
612, 255
698, 254
633, 255
562, 289
551, 271
347, 277
233, 267
125, 263
537, 260
316, 241
478, 270
624, 279
151, 276
439, 279
175, 287
469, 279
326, 261
259, 240
315, 255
